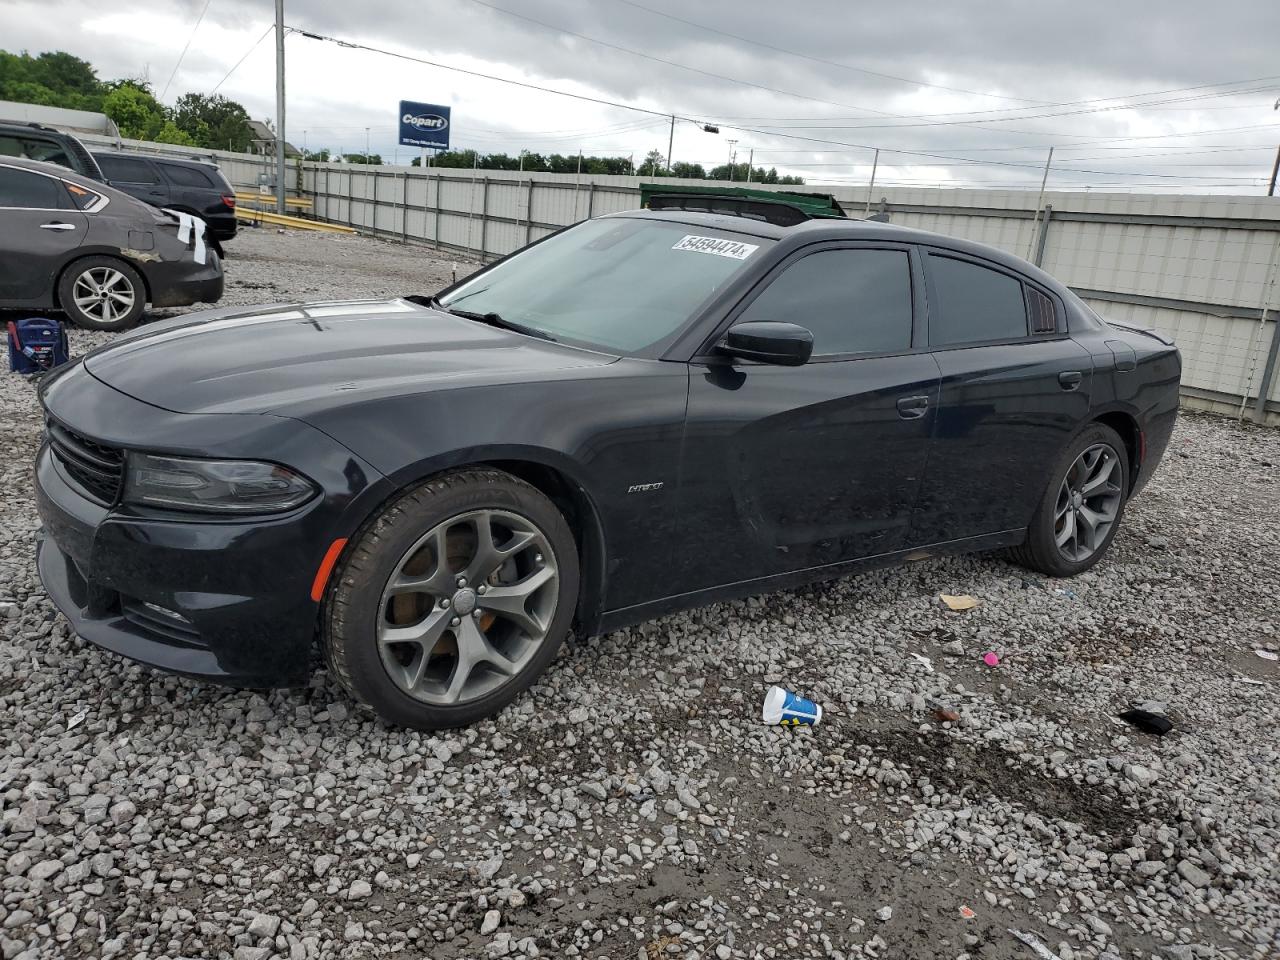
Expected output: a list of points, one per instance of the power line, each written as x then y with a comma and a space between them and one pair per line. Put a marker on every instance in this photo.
744, 129
256, 43
192, 36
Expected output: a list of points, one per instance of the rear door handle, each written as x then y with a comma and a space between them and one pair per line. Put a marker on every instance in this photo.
57, 226
913, 408
1070, 379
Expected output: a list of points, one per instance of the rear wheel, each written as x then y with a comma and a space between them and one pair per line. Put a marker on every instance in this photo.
1082, 506
102, 293
453, 600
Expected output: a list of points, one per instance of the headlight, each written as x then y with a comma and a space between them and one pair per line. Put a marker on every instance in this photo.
214, 486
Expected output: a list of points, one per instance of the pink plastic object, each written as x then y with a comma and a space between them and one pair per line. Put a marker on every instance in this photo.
990, 659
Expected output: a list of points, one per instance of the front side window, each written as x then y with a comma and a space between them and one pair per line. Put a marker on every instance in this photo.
127, 169
33, 191
622, 285
973, 304
852, 301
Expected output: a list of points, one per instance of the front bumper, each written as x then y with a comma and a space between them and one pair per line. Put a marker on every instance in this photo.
210, 600
226, 599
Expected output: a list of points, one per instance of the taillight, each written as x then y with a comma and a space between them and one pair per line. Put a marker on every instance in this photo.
229, 199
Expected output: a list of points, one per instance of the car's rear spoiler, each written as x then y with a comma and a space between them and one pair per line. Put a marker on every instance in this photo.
1128, 328
782, 207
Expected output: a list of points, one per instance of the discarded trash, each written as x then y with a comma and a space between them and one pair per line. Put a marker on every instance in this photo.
1036, 944
967, 913
1267, 654
991, 658
946, 715
787, 709
925, 661
1252, 682
1148, 722
959, 602
77, 719
1065, 592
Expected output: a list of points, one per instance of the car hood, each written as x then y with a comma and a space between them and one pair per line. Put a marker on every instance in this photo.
292, 358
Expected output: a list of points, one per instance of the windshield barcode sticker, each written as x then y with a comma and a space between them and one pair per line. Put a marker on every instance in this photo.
721, 248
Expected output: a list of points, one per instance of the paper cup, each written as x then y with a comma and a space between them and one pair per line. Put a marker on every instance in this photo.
787, 709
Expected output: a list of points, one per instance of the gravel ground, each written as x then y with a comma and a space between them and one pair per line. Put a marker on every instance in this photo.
633, 805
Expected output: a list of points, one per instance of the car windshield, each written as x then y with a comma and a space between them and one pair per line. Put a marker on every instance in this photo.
622, 285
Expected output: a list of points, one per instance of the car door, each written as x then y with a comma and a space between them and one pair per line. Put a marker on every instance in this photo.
790, 467
136, 176
38, 230
1015, 388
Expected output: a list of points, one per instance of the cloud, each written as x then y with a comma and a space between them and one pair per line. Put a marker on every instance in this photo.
1006, 66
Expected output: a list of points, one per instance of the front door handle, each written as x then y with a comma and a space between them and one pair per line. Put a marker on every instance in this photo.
913, 408
57, 226
1070, 379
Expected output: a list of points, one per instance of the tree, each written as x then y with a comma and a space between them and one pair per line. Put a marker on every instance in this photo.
134, 109
322, 156
372, 159
213, 121
653, 163
171, 134
690, 171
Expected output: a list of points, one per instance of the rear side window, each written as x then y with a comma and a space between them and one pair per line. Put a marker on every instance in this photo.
1040, 308
852, 301
973, 304
81, 197
32, 191
127, 170
186, 176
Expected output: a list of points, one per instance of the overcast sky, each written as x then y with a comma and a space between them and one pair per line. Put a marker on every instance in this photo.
997, 82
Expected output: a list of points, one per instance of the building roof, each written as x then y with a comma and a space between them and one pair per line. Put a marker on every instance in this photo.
263, 135
75, 121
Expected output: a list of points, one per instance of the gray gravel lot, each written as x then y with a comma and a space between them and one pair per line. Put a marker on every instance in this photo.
633, 805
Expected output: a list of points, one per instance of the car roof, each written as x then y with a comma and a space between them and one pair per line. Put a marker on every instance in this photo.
831, 228
180, 161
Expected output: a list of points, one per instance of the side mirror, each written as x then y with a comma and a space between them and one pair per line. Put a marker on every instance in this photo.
768, 342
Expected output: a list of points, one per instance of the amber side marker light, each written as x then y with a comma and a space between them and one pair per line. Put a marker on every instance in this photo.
326, 568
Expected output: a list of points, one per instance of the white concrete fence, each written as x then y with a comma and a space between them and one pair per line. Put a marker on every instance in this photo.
1203, 269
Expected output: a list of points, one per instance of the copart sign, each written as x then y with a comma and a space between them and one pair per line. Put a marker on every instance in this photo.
424, 125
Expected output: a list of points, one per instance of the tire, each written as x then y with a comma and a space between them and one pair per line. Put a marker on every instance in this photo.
120, 311
379, 634
1042, 551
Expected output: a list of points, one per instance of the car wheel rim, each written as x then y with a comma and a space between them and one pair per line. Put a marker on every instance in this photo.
1088, 502
103, 294
467, 607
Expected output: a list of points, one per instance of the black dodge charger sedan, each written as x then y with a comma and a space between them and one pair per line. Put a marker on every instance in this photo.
638, 414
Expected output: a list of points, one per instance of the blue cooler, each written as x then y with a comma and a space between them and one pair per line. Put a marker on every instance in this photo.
36, 345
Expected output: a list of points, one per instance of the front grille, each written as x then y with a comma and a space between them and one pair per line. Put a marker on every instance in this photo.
97, 469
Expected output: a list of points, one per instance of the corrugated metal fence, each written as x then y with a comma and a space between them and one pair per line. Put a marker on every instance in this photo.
1203, 269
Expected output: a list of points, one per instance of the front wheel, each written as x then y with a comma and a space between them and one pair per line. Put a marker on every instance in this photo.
1082, 506
453, 600
102, 293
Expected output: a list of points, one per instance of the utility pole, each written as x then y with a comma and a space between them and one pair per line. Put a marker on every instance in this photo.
1035, 219
366, 146
1275, 167
732, 144
871, 185
671, 143
279, 106
751, 158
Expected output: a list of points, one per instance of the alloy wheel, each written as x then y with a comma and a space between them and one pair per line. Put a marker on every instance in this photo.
467, 607
1088, 502
104, 294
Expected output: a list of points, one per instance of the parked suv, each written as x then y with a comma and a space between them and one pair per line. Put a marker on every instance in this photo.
191, 186
37, 142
